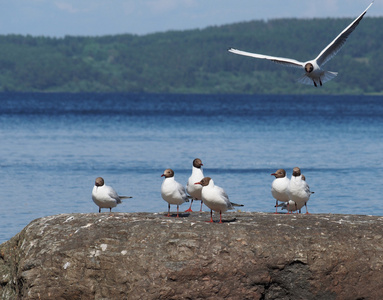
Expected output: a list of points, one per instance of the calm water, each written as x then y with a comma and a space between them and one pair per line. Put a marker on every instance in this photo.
53, 146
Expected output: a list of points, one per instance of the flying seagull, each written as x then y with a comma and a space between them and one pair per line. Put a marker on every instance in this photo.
314, 73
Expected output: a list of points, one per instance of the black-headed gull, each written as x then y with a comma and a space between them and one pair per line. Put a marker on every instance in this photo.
172, 191
313, 68
194, 190
215, 198
290, 206
279, 187
298, 190
105, 196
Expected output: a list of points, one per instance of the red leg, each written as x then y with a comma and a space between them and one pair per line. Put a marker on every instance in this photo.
307, 212
178, 211
276, 206
189, 209
168, 210
211, 217
220, 217
201, 206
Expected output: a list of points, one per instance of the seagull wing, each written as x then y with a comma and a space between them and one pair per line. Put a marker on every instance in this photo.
113, 194
279, 60
181, 189
332, 49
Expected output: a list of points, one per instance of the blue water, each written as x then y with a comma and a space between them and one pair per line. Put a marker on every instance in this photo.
53, 146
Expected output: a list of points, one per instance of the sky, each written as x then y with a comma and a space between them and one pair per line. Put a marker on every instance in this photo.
58, 18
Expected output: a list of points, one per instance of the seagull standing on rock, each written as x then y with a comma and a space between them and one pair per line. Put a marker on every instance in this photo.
105, 196
215, 198
313, 68
172, 191
299, 191
279, 187
193, 189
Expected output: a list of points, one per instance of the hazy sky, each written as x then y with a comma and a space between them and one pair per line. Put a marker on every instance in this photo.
100, 17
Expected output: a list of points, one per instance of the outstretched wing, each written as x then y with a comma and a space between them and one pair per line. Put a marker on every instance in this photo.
279, 60
332, 49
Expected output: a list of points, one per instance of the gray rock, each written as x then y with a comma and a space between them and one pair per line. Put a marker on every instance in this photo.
150, 256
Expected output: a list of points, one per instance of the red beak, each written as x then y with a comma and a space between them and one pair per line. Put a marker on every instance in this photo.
272, 174
198, 183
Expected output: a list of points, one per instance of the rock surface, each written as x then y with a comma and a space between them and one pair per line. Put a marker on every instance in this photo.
150, 256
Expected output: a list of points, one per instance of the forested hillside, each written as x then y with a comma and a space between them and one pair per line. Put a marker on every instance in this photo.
195, 61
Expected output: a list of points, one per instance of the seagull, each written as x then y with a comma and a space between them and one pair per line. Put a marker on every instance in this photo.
313, 68
193, 189
215, 198
290, 206
279, 187
172, 191
105, 196
298, 190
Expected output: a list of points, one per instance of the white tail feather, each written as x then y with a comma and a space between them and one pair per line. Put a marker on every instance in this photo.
326, 76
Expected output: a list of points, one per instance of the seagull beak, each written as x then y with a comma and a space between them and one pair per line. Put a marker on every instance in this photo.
273, 174
197, 183
162, 175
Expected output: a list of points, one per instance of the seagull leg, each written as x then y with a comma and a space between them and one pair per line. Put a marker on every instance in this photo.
276, 206
189, 209
307, 212
220, 217
178, 208
169, 210
320, 81
315, 83
99, 209
201, 206
211, 217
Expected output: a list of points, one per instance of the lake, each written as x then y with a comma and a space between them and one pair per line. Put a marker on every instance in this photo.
53, 146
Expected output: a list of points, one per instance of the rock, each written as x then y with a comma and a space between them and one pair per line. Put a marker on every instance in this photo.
150, 256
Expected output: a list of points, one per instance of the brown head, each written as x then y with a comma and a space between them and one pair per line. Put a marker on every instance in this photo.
296, 172
281, 173
303, 177
99, 181
309, 67
168, 173
204, 181
197, 163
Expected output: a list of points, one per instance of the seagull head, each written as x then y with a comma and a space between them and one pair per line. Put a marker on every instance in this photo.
99, 181
204, 181
168, 173
309, 67
296, 172
279, 173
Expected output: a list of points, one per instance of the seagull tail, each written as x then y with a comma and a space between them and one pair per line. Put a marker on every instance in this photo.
305, 80
328, 75
235, 204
